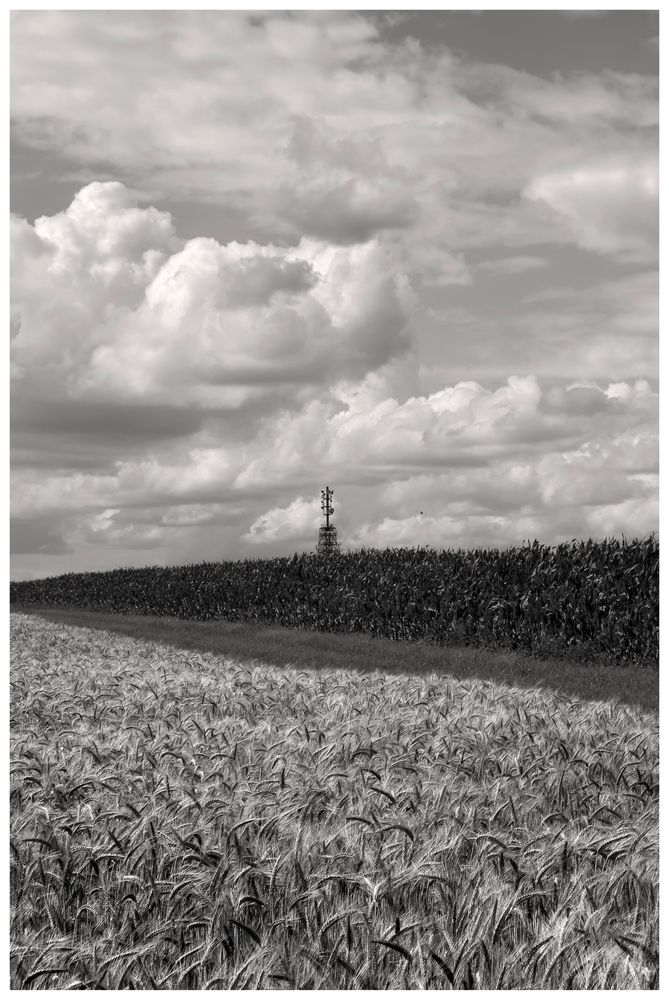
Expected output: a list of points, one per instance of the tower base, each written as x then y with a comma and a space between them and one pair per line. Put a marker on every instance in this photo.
327, 540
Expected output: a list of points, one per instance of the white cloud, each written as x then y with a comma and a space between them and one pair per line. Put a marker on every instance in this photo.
634, 518
609, 206
461, 428
295, 523
463, 423
311, 123
629, 518
105, 528
109, 304
588, 492
71, 272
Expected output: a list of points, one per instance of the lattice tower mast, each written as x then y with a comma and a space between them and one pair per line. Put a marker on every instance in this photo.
327, 533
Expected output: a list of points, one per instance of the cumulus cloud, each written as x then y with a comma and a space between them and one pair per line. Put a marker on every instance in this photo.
104, 526
109, 305
298, 522
462, 425
72, 270
592, 486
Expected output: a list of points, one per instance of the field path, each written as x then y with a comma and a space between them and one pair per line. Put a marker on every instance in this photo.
183, 820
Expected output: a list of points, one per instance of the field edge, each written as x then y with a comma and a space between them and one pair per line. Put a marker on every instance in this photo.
631, 684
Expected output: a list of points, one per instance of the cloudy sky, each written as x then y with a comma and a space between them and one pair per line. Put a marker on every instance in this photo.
413, 256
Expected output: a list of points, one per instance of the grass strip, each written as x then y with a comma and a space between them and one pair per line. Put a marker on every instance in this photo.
630, 684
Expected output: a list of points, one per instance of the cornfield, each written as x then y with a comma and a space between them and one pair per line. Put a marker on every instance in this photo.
587, 599
183, 821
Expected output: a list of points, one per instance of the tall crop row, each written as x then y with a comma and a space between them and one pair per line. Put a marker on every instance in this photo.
588, 599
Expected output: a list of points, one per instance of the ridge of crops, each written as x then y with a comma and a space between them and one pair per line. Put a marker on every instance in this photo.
586, 599
184, 820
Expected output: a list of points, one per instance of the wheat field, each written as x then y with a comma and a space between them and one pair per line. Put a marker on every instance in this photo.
184, 821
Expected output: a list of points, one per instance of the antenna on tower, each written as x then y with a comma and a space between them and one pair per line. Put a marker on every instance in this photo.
327, 533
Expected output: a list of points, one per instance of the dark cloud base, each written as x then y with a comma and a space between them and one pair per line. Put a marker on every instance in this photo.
107, 422
39, 535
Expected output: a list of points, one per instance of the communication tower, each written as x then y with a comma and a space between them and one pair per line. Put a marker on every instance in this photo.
327, 533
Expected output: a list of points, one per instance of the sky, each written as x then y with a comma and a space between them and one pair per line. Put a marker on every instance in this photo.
412, 256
